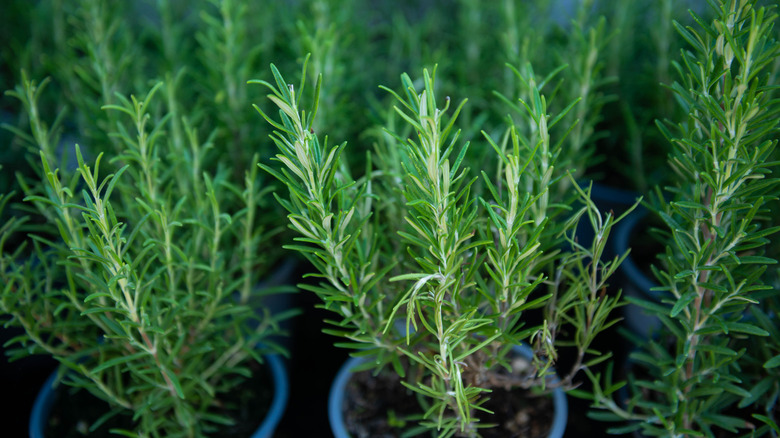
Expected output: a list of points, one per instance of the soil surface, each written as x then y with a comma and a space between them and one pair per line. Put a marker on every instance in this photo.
519, 413
381, 407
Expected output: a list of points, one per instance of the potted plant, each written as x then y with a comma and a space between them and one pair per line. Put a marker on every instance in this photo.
141, 280
700, 376
138, 259
436, 284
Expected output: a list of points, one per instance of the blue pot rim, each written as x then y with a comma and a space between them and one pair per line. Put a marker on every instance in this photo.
45, 400
338, 393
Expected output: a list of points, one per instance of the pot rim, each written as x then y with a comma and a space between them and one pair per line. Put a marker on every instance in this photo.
338, 391
45, 400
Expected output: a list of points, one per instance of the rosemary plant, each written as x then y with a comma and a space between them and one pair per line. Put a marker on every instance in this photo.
585, 81
638, 56
135, 258
689, 380
139, 280
441, 294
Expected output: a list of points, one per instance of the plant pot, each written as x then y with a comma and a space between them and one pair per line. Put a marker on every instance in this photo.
22, 378
45, 401
633, 281
281, 282
609, 198
337, 398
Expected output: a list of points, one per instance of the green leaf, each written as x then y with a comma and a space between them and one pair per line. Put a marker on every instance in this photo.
113, 325
749, 329
773, 362
104, 310
123, 432
768, 421
477, 347
581, 394
682, 303
757, 260
96, 295
691, 205
119, 361
174, 381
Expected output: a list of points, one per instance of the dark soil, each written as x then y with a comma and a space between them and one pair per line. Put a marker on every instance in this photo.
380, 407
371, 401
519, 413
74, 411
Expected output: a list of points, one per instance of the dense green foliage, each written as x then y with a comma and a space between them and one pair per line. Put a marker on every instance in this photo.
137, 234
446, 288
717, 299
441, 235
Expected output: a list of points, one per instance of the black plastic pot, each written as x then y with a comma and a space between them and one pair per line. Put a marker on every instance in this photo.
633, 281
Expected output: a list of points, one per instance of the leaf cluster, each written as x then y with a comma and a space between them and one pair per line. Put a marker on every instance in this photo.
713, 272
134, 258
441, 294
